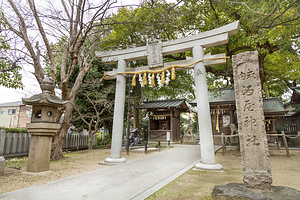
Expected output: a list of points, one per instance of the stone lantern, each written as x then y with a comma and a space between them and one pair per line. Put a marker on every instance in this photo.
42, 127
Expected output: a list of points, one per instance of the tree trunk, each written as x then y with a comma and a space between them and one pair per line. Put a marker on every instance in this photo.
262, 72
108, 125
58, 138
136, 122
266, 91
91, 140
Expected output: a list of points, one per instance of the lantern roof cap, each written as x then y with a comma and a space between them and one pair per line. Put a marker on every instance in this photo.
45, 98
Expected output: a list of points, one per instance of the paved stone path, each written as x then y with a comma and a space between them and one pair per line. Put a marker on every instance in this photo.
131, 180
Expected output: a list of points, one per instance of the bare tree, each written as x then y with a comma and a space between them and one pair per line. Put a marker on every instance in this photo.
72, 24
92, 112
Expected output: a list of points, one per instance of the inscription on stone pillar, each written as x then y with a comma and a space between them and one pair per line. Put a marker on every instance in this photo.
154, 55
249, 104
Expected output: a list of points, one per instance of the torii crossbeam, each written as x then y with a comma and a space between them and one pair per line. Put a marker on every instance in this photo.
154, 53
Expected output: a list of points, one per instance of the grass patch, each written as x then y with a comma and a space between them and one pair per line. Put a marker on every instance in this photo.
196, 185
16, 162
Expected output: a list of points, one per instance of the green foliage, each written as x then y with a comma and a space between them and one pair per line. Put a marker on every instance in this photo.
14, 130
12, 78
159, 21
147, 22
106, 140
283, 66
265, 27
144, 123
296, 108
93, 97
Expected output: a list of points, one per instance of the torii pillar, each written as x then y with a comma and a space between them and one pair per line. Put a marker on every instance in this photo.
154, 53
116, 143
204, 118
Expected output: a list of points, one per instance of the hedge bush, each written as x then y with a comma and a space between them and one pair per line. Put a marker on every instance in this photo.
14, 130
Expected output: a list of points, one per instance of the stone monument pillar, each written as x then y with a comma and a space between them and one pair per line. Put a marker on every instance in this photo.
251, 121
42, 127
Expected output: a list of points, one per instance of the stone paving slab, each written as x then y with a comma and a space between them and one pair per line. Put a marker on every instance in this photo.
131, 180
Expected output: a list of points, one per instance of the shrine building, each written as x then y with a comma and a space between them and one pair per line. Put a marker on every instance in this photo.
223, 111
164, 116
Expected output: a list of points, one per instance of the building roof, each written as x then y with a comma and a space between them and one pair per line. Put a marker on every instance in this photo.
224, 96
296, 95
271, 106
220, 97
171, 103
15, 103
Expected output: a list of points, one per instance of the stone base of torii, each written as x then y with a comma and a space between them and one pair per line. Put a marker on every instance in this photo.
154, 53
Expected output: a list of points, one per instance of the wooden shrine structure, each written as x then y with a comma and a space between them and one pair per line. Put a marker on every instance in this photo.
223, 111
164, 116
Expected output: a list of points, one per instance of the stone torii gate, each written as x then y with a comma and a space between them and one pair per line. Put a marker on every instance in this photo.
154, 53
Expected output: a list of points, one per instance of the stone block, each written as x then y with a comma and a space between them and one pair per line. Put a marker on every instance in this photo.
39, 154
238, 191
189, 139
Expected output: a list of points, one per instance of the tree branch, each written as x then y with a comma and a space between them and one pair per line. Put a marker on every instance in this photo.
45, 39
83, 119
214, 10
39, 74
14, 66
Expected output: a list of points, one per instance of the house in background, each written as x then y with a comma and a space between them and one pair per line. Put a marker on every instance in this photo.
15, 114
164, 116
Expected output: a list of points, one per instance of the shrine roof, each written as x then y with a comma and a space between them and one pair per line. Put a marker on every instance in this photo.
171, 103
221, 96
271, 106
296, 95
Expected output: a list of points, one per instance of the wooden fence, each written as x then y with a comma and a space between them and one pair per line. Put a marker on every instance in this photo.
14, 144
75, 142
17, 144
